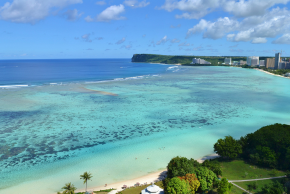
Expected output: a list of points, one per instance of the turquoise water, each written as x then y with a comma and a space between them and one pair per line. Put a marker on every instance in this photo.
51, 134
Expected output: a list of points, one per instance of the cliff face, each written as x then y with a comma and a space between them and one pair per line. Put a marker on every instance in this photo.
167, 59
141, 58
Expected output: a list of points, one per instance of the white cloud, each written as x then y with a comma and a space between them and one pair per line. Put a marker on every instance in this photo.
72, 15
101, 3
31, 11
162, 41
193, 9
285, 39
184, 44
248, 8
136, 4
259, 40
89, 19
121, 41
175, 40
111, 13
86, 37
254, 28
213, 30
243, 36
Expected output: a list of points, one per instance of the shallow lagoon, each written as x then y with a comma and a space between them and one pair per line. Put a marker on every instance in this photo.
49, 135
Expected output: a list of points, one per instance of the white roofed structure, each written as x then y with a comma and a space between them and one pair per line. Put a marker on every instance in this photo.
152, 189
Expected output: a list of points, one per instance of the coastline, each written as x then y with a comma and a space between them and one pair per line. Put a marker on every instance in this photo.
149, 178
271, 73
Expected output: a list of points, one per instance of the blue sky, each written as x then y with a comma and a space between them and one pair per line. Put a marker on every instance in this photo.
43, 29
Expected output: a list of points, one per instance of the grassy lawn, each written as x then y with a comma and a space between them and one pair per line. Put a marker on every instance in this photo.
232, 170
236, 190
138, 190
99, 192
239, 170
260, 184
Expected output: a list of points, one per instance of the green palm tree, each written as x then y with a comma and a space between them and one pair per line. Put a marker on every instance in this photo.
69, 189
86, 176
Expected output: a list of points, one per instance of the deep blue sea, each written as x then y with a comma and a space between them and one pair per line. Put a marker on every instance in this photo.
38, 72
60, 118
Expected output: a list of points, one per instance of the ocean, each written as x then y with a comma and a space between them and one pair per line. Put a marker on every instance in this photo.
60, 118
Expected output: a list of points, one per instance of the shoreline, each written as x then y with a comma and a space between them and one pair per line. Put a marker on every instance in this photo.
271, 73
149, 178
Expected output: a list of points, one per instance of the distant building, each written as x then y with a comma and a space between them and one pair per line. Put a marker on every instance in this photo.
270, 63
284, 65
228, 61
287, 74
253, 61
262, 63
199, 61
235, 63
277, 60
242, 62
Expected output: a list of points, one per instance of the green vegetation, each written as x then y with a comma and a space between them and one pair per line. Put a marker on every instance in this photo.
180, 166
224, 187
277, 71
241, 170
137, 190
228, 147
176, 185
200, 177
69, 189
267, 186
267, 147
184, 60
86, 176
192, 181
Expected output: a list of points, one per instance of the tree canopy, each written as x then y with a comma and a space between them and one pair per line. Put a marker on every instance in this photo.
69, 189
180, 166
228, 147
268, 146
192, 181
86, 176
224, 186
177, 186
206, 178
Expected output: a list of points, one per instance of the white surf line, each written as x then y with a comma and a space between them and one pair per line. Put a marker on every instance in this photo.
278, 177
241, 188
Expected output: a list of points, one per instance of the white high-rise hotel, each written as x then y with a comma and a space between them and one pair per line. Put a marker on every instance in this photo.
253, 61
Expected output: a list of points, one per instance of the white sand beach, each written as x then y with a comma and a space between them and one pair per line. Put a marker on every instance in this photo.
152, 177
271, 73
